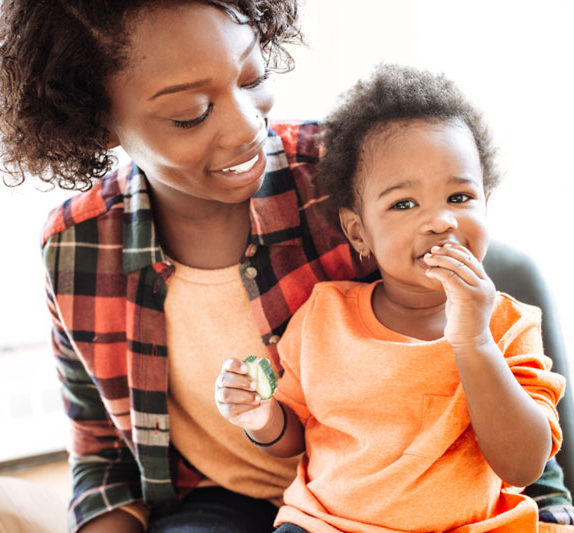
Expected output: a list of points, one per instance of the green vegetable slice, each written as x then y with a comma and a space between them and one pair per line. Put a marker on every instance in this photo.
260, 369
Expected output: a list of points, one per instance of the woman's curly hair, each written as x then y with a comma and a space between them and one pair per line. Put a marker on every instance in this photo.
55, 58
394, 94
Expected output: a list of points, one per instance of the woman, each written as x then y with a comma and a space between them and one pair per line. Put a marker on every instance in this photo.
203, 247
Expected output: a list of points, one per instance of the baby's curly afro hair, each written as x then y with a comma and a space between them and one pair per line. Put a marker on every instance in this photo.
394, 94
55, 58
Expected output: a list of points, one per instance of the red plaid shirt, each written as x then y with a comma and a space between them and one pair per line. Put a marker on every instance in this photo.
106, 283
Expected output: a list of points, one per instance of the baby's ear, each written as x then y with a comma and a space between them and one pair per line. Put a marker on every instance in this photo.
352, 228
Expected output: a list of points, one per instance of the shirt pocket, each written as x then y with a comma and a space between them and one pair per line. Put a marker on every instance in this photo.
445, 419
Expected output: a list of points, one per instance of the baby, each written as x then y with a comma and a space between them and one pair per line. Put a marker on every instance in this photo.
422, 401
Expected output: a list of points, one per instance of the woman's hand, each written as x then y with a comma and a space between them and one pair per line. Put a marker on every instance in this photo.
272, 426
470, 294
237, 400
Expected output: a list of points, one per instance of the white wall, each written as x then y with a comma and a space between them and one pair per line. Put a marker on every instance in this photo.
23, 316
515, 61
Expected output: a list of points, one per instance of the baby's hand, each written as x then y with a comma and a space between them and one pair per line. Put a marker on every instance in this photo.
470, 294
237, 399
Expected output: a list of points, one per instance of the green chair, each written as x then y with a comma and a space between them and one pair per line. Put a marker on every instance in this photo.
515, 273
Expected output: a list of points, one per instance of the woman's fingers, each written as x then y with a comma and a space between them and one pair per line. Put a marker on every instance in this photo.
235, 381
225, 395
234, 375
235, 390
232, 364
236, 397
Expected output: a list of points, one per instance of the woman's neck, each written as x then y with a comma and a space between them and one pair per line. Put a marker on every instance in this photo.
419, 315
214, 238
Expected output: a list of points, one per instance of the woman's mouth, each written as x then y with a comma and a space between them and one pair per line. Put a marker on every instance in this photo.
242, 167
245, 173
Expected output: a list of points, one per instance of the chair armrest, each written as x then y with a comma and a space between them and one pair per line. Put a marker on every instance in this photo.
515, 273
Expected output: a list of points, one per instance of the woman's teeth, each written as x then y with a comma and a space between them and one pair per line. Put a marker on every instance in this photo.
243, 167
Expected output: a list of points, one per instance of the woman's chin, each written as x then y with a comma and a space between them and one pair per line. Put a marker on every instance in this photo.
240, 195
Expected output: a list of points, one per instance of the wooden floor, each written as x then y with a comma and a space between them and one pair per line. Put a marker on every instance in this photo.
54, 476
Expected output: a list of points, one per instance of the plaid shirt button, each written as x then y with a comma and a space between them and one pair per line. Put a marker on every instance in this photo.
251, 272
251, 250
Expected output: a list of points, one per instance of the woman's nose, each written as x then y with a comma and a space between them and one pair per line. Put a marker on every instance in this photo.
244, 124
440, 221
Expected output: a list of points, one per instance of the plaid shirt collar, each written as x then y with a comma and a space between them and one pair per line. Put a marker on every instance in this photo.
275, 214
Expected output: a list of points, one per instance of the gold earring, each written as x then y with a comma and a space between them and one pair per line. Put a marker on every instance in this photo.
364, 254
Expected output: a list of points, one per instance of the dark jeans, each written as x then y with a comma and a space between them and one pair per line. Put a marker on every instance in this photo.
214, 510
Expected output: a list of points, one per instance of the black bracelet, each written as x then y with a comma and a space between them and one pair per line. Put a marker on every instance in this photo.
274, 441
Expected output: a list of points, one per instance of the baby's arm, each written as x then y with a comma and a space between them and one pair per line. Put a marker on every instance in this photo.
511, 429
271, 425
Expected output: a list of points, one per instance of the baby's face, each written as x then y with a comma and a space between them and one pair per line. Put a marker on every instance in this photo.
420, 185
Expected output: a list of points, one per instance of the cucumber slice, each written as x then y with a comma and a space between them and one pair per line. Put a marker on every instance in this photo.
261, 371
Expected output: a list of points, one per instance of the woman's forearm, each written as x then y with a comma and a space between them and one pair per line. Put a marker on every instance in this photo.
284, 430
511, 429
117, 521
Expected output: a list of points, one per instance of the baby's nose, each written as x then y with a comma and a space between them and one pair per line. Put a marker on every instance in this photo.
440, 221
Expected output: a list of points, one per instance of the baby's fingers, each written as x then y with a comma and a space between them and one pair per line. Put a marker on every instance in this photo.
464, 255
450, 280
459, 267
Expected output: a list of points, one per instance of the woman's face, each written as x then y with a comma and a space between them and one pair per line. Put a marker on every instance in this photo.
191, 106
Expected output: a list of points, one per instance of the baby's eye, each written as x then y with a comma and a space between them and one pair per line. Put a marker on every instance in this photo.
256, 83
193, 122
404, 204
459, 198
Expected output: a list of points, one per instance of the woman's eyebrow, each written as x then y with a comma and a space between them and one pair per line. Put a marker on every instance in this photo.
199, 83
180, 87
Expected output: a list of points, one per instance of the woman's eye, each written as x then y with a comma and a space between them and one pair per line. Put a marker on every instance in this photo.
258, 81
193, 122
404, 204
459, 198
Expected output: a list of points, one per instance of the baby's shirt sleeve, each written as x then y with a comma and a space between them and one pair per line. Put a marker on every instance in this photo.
522, 347
289, 388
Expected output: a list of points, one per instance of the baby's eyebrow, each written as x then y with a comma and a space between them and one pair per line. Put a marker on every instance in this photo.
458, 180
461, 180
401, 185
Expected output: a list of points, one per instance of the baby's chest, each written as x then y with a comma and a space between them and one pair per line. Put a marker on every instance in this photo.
392, 385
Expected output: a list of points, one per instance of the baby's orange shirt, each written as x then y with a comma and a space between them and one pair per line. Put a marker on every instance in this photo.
389, 441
